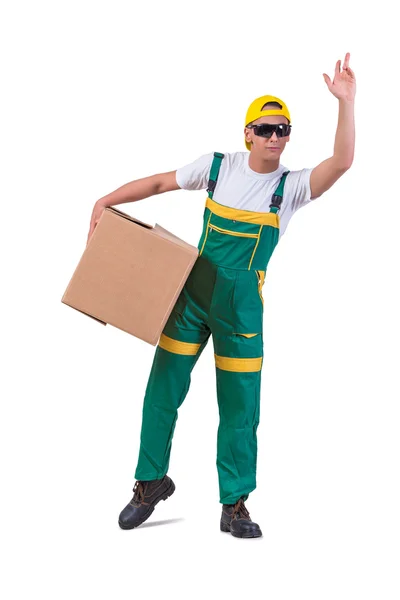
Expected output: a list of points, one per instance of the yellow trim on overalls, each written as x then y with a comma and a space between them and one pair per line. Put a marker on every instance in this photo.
205, 239
239, 365
248, 335
177, 347
255, 247
261, 278
248, 216
231, 232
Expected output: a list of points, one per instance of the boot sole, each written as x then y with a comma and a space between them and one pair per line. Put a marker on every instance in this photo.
226, 528
165, 495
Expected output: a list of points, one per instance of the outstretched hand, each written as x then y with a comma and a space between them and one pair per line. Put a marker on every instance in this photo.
343, 86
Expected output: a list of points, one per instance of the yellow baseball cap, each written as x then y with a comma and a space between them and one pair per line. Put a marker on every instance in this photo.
255, 111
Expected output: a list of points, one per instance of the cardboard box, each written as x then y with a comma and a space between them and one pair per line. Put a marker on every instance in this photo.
130, 275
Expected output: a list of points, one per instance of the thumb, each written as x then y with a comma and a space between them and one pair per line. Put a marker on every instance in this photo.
327, 80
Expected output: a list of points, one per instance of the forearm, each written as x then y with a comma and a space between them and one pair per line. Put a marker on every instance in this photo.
132, 191
345, 135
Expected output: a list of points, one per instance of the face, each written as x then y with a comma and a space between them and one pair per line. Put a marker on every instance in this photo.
268, 149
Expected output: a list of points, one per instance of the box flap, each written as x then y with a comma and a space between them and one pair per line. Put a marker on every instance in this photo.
129, 217
164, 233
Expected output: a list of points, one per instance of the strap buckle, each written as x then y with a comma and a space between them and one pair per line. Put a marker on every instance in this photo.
211, 185
276, 201
215, 166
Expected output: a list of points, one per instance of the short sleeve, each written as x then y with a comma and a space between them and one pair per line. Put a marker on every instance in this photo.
195, 175
300, 190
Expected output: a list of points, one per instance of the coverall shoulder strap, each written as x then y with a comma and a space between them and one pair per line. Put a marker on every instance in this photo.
215, 167
278, 194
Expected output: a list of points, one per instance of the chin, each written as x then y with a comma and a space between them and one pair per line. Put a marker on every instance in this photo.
271, 155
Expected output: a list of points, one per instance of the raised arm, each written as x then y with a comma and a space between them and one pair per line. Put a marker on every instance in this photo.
328, 172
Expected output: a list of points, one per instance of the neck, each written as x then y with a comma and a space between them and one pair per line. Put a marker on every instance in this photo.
259, 165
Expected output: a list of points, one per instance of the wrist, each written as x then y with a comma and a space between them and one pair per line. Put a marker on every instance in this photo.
103, 203
347, 101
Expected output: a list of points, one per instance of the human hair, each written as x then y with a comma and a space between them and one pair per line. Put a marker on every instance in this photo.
268, 105
272, 105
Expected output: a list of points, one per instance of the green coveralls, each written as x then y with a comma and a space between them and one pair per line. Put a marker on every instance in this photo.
222, 296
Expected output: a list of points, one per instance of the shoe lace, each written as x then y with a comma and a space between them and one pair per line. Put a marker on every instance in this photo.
138, 493
240, 510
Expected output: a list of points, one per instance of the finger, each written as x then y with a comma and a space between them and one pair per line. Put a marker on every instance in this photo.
346, 60
90, 232
327, 80
337, 68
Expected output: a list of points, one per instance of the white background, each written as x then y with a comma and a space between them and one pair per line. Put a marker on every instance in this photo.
95, 95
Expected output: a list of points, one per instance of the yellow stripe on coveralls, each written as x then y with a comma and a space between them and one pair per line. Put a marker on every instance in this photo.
248, 216
205, 239
230, 232
225, 363
248, 335
176, 346
255, 247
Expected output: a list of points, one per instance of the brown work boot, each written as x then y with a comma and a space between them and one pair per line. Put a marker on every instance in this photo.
235, 518
146, 495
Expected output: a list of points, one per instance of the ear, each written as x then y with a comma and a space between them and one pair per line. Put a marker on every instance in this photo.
247, 135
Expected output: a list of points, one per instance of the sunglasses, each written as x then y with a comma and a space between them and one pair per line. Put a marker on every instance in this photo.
267, 129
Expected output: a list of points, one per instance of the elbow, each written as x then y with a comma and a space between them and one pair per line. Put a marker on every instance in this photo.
157, 185
165, 182
343, 164
342, 167
348, 164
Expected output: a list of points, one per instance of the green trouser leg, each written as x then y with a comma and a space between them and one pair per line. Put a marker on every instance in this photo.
238, 375
220, 301
167, 387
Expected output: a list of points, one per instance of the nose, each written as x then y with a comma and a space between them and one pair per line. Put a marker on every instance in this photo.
274, 137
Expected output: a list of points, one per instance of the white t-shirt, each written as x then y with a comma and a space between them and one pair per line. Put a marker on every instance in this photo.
238, 186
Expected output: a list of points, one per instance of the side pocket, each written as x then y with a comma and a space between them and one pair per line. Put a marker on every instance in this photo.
261, 279
247, 308
248, 335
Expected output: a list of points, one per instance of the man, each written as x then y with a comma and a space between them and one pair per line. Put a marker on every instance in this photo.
222, 296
